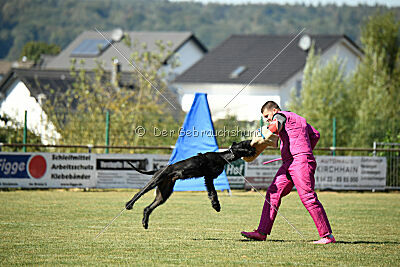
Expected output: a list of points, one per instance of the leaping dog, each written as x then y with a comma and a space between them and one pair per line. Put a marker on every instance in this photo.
210, 165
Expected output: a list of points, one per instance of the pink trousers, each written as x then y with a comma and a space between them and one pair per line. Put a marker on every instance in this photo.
299, 172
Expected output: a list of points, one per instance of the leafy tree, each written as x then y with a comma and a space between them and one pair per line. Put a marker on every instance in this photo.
324, 96
377, 82
33, 50
12, 132
60, 22
79, 113
229, 130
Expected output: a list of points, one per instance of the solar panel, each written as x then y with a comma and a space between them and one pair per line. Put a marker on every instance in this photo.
90, 48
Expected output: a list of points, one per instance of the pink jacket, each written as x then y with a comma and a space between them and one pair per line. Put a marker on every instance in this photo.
297, 137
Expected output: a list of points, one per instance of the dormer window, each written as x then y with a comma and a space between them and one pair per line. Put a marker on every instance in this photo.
90, 48
237, 72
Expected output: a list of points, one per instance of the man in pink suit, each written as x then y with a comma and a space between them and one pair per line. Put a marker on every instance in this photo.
298, 139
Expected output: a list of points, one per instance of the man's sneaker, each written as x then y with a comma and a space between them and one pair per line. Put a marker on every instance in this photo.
255, 235
326, 240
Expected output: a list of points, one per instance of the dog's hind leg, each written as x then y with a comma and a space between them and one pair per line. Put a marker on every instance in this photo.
164, 191
150, 185
212, 194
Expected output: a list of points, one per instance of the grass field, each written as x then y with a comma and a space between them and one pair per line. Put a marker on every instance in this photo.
58, 227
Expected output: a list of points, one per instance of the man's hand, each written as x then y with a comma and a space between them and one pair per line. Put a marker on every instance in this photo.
262, 139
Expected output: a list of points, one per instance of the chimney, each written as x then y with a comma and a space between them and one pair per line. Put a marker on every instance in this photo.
116, 69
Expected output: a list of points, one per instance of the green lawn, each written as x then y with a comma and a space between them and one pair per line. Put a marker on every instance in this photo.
58, 227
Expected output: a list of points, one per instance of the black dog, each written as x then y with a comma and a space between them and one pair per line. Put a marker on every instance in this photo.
210, 165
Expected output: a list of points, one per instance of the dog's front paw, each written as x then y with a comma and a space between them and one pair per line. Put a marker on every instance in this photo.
145, 224
216, 206
129, 205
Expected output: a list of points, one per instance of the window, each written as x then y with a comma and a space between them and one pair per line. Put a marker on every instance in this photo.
90, 48
237, 72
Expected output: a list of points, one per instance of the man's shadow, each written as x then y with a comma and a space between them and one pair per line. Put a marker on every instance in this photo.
369, 242
337, 242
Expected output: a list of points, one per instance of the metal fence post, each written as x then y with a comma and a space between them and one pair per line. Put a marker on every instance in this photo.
334, 137
25, 131
107, 130
374, 152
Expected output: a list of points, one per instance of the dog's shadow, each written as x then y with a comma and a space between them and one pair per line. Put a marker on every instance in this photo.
208, 239
270, 240
241, 240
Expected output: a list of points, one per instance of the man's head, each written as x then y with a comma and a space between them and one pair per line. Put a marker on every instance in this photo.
269, 109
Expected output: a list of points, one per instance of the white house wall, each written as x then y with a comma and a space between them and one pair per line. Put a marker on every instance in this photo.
343, 50
246, 106
287, 88
187, 55
17, 100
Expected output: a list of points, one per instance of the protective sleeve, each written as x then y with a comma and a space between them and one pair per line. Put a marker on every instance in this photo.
277, 124
313, 134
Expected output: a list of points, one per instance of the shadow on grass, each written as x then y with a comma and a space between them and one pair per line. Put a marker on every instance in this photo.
369, 242
302, 241
272, 240
246, 240
208, 239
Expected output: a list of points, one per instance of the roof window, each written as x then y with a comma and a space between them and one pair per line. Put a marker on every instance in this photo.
237, 72
90, 48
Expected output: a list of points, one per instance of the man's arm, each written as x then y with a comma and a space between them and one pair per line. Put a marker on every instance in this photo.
278, 123
314, 135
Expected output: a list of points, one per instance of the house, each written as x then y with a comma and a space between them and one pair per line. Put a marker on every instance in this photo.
24, 88
5, 67
226, 71
104, 47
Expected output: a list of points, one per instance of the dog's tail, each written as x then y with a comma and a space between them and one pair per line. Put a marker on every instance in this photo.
141, 171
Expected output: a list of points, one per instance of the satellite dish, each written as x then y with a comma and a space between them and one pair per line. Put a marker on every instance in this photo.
117, 34
305, 42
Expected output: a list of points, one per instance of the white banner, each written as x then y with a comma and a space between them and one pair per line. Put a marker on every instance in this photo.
46, 170
350, 173
113, 170
259, 175
336, 173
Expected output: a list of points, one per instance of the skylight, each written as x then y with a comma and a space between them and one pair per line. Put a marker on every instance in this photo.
90, 48
237, 72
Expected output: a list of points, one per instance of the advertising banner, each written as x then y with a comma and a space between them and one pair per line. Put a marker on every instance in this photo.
46, 170
114, 171
259, 175
235, 173
350, 173
68, 170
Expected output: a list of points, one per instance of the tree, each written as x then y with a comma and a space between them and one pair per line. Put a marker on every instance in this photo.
61, 21
79, 113
377, 82
12, 132
33, 50
229, 130
324, 96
